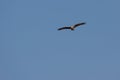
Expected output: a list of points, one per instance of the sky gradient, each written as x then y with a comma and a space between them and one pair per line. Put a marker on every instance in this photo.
33, 49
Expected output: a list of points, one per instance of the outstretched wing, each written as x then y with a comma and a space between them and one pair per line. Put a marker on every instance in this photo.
63, 28
76, 25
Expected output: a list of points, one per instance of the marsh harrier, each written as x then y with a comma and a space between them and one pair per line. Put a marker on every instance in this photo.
72, 27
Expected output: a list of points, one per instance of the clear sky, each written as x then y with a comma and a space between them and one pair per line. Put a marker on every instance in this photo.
31, 47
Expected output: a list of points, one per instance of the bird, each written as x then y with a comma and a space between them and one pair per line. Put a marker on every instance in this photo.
72, 27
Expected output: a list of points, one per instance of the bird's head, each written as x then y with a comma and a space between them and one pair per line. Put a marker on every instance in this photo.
72, 28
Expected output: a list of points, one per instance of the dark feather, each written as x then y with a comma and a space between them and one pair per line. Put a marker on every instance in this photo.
63, 28
76, 25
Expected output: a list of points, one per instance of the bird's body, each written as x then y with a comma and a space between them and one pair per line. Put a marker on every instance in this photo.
72, 27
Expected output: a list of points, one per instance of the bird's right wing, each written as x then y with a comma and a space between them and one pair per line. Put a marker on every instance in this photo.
63, 28
79, 24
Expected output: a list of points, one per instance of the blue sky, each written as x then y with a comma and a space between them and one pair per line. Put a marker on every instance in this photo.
32, 48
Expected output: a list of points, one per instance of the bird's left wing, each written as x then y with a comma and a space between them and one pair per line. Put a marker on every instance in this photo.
63, 28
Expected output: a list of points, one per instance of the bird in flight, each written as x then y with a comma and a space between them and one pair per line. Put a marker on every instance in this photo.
72, 27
